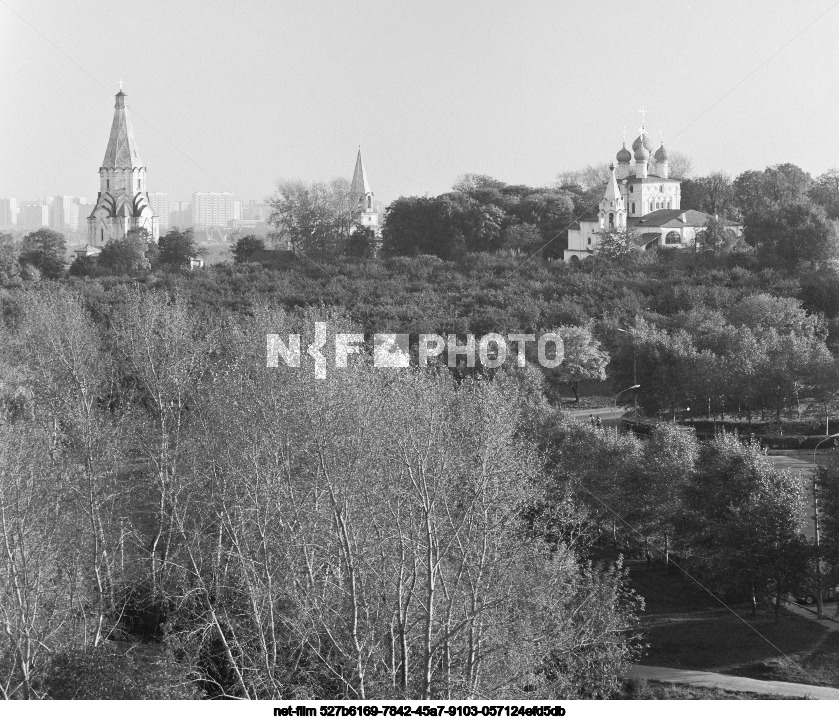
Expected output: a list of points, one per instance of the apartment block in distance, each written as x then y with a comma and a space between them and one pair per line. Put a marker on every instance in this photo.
64, 212
9, 209
213, 210
160, 205
180, 214
33, 215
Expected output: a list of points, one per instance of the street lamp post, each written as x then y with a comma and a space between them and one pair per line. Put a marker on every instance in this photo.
819, 602
624, 391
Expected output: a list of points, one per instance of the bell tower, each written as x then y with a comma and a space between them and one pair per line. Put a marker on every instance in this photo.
362, 197
612, 212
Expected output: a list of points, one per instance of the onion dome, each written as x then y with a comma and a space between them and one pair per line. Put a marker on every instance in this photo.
661, 153
624, 156
644, 140
642, 153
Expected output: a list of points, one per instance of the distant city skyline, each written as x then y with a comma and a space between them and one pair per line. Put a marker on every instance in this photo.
232, 97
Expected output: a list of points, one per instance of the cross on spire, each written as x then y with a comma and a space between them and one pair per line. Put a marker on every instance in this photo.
643, 116
120, 83
624, 135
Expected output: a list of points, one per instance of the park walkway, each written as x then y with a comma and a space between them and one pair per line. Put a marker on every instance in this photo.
740, 684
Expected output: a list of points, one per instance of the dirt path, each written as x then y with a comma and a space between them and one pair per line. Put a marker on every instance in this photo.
733, 683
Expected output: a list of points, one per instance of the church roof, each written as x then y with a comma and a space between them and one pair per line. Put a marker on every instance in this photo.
671, 218
612, 190
359, 185
122, 149
649, 179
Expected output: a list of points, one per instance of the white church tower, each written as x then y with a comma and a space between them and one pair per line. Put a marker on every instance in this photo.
123, 202
362, 197
612, 214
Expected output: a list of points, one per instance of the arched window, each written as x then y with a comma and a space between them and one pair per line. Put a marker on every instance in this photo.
669, 203
672, 238
101, 236
633, 207
369, 202
611, 220
107, 185
589, 241
630, 188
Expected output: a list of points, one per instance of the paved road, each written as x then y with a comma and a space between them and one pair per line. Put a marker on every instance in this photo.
830, 620
801, 463
733, 683
610, 416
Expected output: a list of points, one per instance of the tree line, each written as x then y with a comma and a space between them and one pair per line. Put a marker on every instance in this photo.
262, 534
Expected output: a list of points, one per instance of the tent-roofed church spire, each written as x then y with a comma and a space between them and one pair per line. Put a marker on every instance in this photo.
359, 187
613, 192
122, 151
123, 203
362, 197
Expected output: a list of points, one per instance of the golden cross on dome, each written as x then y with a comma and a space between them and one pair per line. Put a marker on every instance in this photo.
643, 116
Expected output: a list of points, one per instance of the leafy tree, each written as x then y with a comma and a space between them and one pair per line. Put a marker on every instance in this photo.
663, 363
126, 256
681, 165
670, 458
469, 182
791, 234
743, 519
522, 238
552, 212
176, 248
246, 246
84, 266
423, 226
44, 249
361, 243
825, 192
616, 244
758, 191
589, 178
713, 194
827, 493
716, 237
583, 360
9, 266
315, 218
820, 291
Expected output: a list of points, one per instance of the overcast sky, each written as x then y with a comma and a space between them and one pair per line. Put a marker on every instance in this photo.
229, 95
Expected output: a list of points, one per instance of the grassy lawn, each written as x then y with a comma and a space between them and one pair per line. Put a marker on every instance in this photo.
686, 628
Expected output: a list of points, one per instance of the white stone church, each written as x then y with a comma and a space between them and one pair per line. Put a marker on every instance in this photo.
643, 199
123, 202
